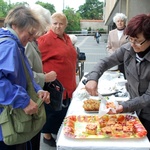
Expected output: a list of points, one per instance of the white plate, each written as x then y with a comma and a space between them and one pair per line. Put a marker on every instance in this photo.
107, 93
119, 99
95, 98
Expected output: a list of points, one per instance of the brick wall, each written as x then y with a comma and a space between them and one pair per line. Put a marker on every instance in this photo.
94, 24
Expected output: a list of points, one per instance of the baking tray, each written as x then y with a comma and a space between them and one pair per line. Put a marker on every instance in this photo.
107, 126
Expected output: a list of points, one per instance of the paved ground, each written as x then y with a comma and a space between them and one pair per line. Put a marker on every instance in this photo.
93, 53
92, 50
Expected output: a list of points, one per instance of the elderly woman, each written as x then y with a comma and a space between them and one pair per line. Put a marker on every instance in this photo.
116, 37
74, 41
59, 55
136, 58
21, 26
33, 53
34, 56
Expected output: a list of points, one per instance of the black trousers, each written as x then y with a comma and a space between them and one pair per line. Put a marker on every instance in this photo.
55, 118
146, 124
34, 144
3, 146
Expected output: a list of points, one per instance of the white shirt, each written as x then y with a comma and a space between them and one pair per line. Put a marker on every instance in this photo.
120, 33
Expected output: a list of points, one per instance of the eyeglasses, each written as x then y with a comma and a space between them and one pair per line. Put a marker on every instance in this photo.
133, 41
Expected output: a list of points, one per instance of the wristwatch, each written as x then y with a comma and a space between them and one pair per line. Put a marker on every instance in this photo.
84, 81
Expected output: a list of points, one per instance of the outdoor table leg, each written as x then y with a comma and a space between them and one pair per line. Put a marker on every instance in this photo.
82, 69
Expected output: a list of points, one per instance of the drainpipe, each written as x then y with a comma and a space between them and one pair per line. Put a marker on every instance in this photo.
127, 9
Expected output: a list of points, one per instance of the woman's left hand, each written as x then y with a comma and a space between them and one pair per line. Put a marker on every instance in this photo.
119, 109
44, 95
91, 87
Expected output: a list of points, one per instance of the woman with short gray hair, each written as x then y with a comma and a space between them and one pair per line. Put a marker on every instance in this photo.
34, 56
116, 37
119, 16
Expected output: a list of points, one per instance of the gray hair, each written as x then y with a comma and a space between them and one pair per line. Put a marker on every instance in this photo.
43, 14
73, 38
119, 16
25, 19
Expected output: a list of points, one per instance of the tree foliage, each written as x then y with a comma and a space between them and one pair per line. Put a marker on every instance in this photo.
5, 7
48, 6
92, 9
73, 19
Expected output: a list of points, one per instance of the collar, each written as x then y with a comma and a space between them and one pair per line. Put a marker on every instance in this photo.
121, 29
142, 54
13, 35
56, 36
9, 32
12, 31
128, 47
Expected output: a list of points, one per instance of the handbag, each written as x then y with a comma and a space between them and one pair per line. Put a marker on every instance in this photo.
55, 89
82, 56
18, 127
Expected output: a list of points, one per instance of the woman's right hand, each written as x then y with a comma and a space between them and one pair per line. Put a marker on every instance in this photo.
51, 76
91, 87
32, 108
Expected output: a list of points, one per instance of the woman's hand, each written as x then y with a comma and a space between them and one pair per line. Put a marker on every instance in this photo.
44, 95
91, 87
51, 76
119, 109
32, 108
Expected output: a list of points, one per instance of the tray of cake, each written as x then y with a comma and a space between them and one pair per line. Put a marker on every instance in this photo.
107, 126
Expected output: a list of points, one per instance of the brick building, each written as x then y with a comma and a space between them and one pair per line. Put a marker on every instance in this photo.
93, 24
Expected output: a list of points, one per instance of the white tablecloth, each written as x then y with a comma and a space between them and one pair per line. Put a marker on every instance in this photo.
65, 143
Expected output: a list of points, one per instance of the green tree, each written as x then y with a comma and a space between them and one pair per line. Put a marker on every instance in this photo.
48, 6
4, 8
92, 9
12, 5
73, 19
72, 16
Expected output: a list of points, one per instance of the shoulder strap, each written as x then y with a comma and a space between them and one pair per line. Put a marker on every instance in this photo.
25, 68
29, 82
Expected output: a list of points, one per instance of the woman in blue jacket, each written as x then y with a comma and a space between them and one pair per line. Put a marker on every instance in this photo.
21, 26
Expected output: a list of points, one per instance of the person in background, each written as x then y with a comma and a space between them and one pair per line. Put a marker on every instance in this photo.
136, 58
116, 37
59, 55
34, 56
74, 41
21, 26
97, 35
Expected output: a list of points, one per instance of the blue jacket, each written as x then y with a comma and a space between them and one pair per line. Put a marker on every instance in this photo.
13, 82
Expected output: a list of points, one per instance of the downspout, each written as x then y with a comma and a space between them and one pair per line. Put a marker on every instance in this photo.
127, 9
